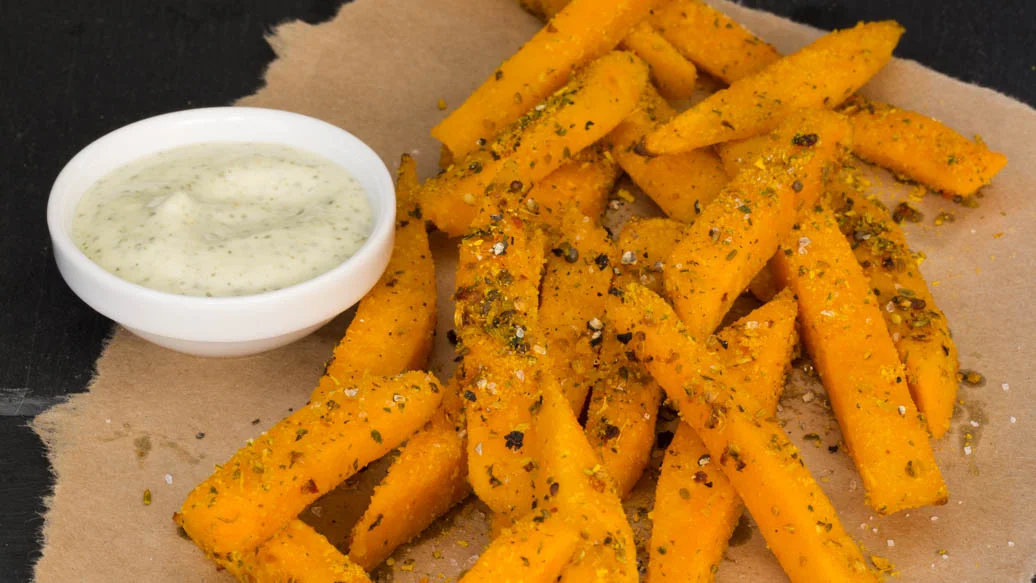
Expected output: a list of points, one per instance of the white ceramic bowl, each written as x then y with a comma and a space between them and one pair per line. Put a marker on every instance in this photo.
224, 326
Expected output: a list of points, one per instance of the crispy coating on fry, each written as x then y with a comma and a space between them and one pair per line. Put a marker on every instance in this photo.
797, 519
297, 553
534, 550
740, 230
584, 182
701, 506
822, 75
845, 333
681, 184
918, 327
538, 143
671, 73
274, 477
712, 40
577, 35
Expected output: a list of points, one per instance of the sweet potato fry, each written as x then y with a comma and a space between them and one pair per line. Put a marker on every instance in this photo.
700, 505
534, 550
497, 314
572, 299
672, 74
680, 184
740, 230
394, 323
918, 327
297, 553
644, 247
797, 519
845, 333
273, 478
712, 40
584, 182
573, 485
920, 148
581, 32
623, 411
574, 117
823, 74
427, 479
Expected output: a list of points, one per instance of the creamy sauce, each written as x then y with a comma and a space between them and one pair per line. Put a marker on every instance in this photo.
223, 219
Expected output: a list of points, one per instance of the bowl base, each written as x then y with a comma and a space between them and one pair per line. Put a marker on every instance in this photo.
225, 349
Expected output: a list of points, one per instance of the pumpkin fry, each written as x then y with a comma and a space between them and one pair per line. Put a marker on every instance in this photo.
573, 485
572, 298
918, 327
920, 148
822, 75
845, 333
581, 32
538, 143
427, 479
712, 40
297, 553
644, 247
273, 478
671, 73
740, 230
680, 184
797, 519
584, 182
623, 411
701, 506
394, 324
534, 550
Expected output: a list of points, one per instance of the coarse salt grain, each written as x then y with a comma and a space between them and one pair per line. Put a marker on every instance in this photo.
478, 448
169, 479
891, 543
902, 410
967, 450
1005, 387
1010, 543
1013, 419
974, 423
934, 518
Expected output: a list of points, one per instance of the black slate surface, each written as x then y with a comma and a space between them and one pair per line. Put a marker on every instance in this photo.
71, 71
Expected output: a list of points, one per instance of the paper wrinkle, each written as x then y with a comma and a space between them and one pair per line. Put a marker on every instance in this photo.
378, 69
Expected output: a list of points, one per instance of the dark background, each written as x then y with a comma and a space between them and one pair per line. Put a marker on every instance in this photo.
71, 71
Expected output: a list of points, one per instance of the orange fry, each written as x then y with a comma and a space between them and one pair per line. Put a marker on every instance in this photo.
672, 74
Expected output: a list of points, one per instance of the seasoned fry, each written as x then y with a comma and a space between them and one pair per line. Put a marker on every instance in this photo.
269, 481
581, 32
680, 184
427, 479
623, 411
844, 331
712, 40
701, 506
672, 74
920, 148
574, 485
918, 327
572, 299
394, 324
821, 75
574, 117
534, 550
497, 314
584, 182
297, 553
797, 519
741, 229
645, 245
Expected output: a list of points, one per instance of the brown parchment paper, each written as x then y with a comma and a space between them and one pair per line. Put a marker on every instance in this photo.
158, 420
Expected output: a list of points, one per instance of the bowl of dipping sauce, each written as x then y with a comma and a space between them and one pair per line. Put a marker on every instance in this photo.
223, 231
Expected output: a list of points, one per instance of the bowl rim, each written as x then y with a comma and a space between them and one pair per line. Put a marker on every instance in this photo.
63, 189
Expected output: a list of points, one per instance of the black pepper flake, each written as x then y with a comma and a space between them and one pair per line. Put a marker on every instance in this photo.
833, 448
610, 431
625, 337
498, 75
554, 487
415, 212
475, 167
805, 140
470, 396
796, 186
601, 261
616, 292
589, 124
199, 435
641, 150
451, 336
514, 440
596, 339
571, 254
376, 523
255, 421
905, 212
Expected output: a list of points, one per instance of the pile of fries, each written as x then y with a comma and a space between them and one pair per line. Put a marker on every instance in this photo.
558, 320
